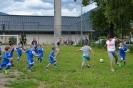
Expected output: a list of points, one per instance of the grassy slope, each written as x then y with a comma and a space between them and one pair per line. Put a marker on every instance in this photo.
69, 73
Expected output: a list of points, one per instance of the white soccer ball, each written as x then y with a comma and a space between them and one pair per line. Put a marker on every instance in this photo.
101, 60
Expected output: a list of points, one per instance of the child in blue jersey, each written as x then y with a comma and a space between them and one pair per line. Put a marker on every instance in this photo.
0, 51
11, 52
40, 52
6, 62
52, 59
35, 48
122, 52
19, 51
86, 54
30, 53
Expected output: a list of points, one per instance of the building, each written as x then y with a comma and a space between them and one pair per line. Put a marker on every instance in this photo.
42, 27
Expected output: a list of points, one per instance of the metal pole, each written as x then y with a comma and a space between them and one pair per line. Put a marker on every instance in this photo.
81, 24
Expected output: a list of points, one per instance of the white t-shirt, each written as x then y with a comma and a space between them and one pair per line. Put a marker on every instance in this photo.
86, 50
110, 45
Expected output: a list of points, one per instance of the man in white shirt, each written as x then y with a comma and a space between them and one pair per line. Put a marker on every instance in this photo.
110, 43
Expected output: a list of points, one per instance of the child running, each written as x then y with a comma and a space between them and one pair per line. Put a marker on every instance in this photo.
122, 52
57, 45
86, 54
30, 53
11, 52
0, 51
40, 53
6, 62
52, 59
19, 52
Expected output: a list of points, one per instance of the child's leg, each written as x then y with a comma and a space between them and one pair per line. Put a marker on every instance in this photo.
83, 62
29, 66
8, 66
124, 62
55, 61
18, 59
48, 66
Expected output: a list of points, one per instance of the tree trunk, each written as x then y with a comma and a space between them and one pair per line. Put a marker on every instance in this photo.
111, 30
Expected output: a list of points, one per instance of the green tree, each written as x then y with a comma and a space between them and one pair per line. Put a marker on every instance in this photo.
112, 15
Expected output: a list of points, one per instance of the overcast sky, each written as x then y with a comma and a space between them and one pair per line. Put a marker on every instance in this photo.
42, 7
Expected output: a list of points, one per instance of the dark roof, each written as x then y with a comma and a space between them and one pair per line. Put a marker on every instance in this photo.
41, 23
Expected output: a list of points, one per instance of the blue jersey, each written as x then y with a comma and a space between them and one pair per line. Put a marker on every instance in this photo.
19, 51
51, 55
12, 50
6, 58
0, 51
35, 49
30, 54
40, 52
122, 50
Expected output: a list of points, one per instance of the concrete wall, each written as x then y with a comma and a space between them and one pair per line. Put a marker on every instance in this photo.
46, 38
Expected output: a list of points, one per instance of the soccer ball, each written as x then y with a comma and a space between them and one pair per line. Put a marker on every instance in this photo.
101, 60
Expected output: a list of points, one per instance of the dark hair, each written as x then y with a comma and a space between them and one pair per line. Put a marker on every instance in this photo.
53, 48
0, 42
7, 47
12, 43
85, 43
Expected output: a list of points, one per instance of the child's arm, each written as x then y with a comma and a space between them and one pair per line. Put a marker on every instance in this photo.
92, 52
104, 46
127, 50
78, 50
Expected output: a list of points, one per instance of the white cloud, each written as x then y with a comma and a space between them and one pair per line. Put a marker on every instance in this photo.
39, 7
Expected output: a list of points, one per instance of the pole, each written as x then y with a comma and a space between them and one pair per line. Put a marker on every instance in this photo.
81, 24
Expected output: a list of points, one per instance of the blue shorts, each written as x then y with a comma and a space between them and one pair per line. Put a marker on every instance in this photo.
52, 61
0, 56
30, 62
123, 57
40, 57
19, 55
84, 58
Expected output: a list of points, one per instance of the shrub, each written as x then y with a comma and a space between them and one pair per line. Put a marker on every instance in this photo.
130, 48
13, 40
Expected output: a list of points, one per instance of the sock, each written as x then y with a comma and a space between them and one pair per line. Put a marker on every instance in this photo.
124, 63
55, 65
7, 67
29, 66
46, 67
82, 67
40, 60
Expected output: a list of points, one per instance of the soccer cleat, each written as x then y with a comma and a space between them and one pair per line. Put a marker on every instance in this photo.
5, 72
88, 66
120, 64
54, 67
117, 63
29, 70
46, 68
112, 70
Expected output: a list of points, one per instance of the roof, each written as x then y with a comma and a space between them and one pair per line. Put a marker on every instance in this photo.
41, 23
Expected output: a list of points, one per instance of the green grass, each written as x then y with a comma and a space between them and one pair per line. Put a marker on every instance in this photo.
69, 73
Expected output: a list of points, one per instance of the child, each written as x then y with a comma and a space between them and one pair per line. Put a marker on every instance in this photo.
52, 59
30, 53
40, 52
6, 62
11, 52
19, 51
35, 48
57, 45
122, 53
0, 51
86, 54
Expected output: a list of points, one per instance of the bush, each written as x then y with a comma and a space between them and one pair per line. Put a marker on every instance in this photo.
130, 48
13, 40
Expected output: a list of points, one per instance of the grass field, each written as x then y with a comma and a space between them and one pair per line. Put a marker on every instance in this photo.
69, 73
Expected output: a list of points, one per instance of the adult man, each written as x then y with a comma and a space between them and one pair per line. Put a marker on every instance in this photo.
110, 43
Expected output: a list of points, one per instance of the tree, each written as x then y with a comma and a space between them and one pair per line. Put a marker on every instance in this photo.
112, 15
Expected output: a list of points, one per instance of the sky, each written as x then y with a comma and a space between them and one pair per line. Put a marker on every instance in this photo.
42, 7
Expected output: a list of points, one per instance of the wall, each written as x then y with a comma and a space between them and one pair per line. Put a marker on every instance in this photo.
46, 38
